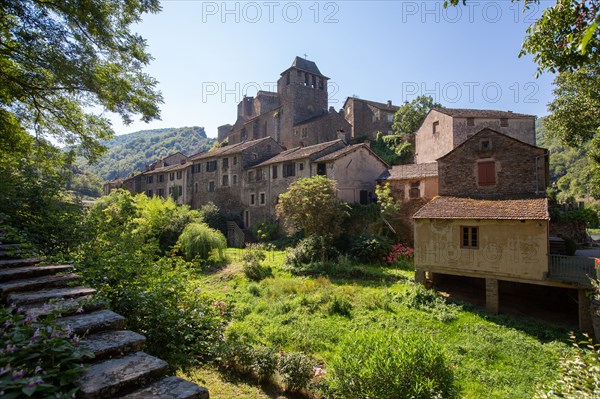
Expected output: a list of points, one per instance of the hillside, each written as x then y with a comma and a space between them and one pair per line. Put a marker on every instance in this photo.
130, 152
570, 167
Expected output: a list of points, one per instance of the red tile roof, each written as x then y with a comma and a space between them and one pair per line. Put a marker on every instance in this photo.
480, 113
469, 208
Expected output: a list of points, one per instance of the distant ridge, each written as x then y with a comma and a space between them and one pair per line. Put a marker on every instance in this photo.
127, 153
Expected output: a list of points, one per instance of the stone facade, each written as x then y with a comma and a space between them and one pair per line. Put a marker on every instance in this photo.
296, 115
366, 118
446, 128
491, 164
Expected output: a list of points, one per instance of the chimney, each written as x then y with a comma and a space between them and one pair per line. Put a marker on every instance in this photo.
332, 109
389, 103
341, 135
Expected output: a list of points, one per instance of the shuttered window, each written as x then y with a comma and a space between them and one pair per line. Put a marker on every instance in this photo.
486, 173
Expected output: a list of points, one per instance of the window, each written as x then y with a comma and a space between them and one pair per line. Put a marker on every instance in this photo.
469, 237
235, 180
322, 169
250, 176
160, 192
161, 178
364, 197
252, 199
486, 172
415, 191
225, 180
374, 118
470, 121
304, 132
172, 176
179, 174
149, 193
197, 168
211, 186
263, 198
301, 165
211, 166
274, 172
485, 145
225, 163
504, 122
149, 179
259, 173
235, 160
436, 127
390, 118
289, 169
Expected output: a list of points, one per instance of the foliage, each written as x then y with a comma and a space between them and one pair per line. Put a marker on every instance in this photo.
120, 256
580, 373
399, 255
419, 297
128, 153
266, 230
411, 115
394, 149
295, 370
310, 250
380, 366
264, 362
61, 59
251, 263
39, 358
312, 205
198, 241
86, 185
340, 306
369, 248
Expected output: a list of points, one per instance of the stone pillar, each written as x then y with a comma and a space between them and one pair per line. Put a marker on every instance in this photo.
585, 317
420, 276
492, 297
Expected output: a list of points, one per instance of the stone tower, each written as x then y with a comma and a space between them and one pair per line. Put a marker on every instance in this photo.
302, 91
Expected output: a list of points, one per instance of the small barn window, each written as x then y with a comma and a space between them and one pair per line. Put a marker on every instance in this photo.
469, 237
486, 172
504, 122
436, 127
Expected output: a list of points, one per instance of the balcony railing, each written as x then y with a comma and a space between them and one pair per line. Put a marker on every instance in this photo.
571, 269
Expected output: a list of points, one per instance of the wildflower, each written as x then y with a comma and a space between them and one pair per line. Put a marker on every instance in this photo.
38, 369
79, 310
75, 340
34, 382
197, 290
36, 335
18, 374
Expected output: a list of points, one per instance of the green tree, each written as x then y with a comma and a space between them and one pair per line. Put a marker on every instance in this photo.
59, 60
312, 205
411, 115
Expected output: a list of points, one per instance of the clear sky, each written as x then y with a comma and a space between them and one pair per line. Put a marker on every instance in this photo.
208, 54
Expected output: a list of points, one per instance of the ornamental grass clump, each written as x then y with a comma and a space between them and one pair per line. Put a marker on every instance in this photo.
198, 241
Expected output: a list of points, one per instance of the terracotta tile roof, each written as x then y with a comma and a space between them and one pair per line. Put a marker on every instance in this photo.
411, 171
469, 208
374, 104
229, 149
299, 152
480, 113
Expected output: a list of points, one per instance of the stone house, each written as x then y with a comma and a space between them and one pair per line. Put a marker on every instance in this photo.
217, 176
366, 117
490, 222
446, 128
296, 115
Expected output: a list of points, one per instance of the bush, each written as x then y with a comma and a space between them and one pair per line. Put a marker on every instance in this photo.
295, 370
570, 246
251, 259
38, 358
213, 217
266, 230
370, 248
311, 250
580, 374
430, 301
198, 240
264, 362
376, 365
340, 306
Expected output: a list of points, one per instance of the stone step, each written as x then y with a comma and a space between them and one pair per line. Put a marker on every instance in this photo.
113, 343
37, 283
89, 323
5, 263
32, 271
16, 253
8, 247
170, 388
65, 307
24, 298
112, 377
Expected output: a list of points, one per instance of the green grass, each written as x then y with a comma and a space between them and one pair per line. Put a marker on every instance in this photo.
593, 231
493, 356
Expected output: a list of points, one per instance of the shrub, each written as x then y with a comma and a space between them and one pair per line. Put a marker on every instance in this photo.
580, 373
38, 358
295, 370
310, 250
266, 230
570, 246
398, 255
252, 267
340, 306
419, 297
198, 240
213, 217
370, 248
264, 362
376, 365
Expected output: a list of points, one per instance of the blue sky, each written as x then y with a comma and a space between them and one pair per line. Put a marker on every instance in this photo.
208, 54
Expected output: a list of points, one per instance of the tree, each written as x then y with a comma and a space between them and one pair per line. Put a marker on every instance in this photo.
411, 115
61, 60
564, 38
312, 205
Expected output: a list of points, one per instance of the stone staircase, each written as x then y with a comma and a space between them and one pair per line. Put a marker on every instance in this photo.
119, 368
